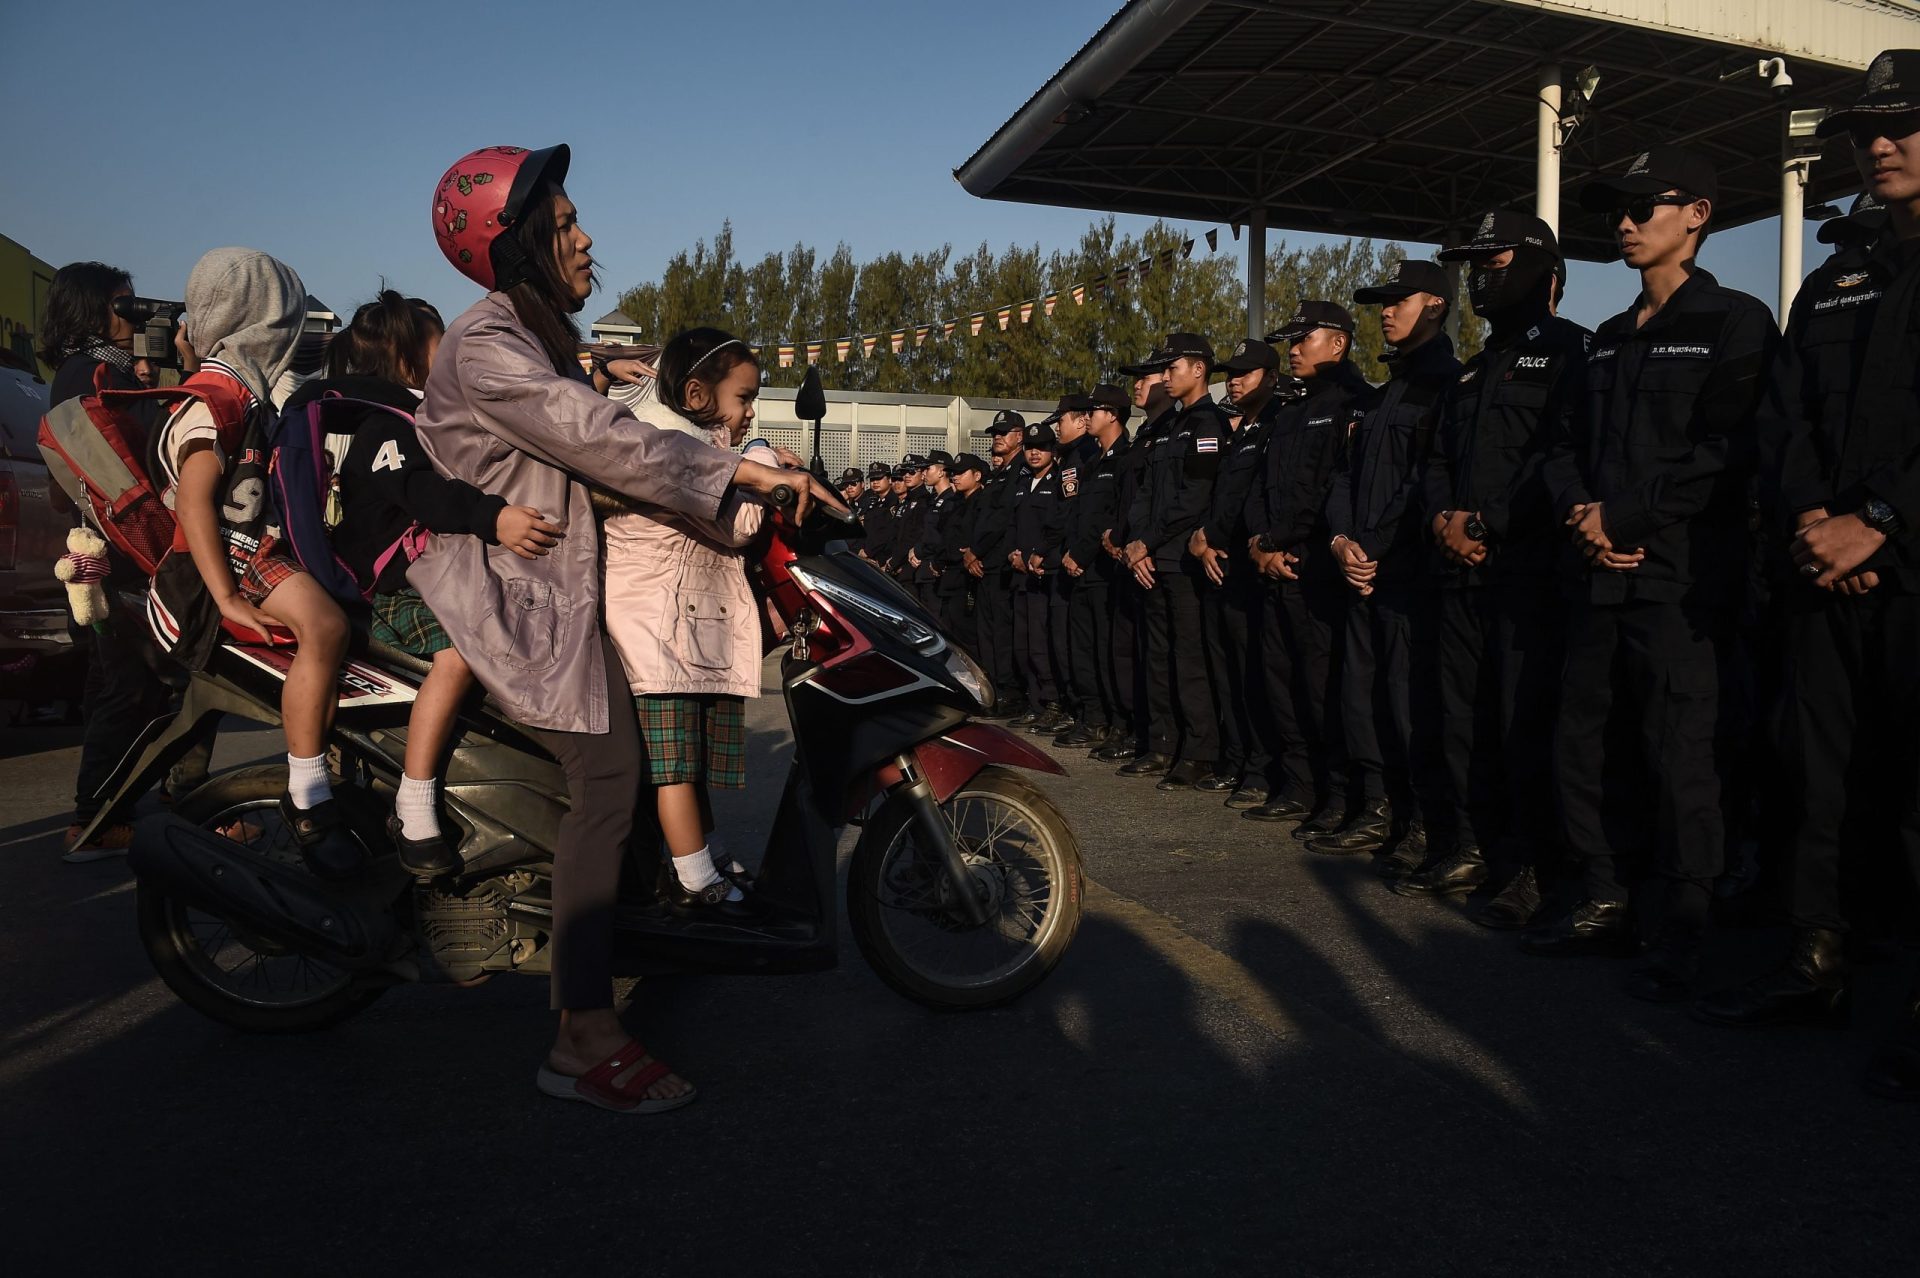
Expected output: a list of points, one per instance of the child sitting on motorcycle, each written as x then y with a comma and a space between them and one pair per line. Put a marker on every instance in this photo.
388, 490
684, 621
245, 314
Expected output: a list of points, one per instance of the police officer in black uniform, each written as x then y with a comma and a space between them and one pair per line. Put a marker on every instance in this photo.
1091, 510
911, 518
883, 520
956, 593
1305, 604
923, 557
1651, 487
1232, 598
1491, 518
1077, 449
1129, 651
871, 495
850, 485
986, 558
1841, 427
1035, 506
1176, 494
1389, 698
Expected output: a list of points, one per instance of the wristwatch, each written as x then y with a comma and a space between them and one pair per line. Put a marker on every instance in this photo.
1880, 517
1475, 528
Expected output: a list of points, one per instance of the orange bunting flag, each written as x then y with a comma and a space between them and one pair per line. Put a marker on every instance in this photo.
1146, 266
923, 332
946, 329
975, 320
1026, 312
897, 340
1120, 276
1186, 250
786, 354
1079, 294
1099, 282
1213, 241
842, 347
813, 352
1005, 316
867, 342
1050, 301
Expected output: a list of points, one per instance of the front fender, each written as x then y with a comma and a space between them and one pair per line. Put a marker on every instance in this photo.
956, 756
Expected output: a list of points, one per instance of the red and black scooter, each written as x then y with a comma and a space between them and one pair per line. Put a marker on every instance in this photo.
963, 890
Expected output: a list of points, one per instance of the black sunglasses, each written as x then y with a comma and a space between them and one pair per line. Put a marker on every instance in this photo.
1639, 210
1863, 136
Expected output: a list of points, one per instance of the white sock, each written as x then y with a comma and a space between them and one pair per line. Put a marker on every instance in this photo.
696, 871
307, 781
414, 806
721, 861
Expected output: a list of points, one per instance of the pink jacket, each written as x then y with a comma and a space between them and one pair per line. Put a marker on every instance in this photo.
678, 607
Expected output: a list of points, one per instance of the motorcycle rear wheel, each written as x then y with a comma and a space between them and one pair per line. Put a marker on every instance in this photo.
908, 922
216, 968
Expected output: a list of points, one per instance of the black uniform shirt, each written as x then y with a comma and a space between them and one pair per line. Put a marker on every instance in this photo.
1181, 470
1226, 525
1037, 510
1131, 509
1843, 409
993, 529
1509, 403
912, 520
1664, 439
1287, 505
958, 535
935, 528
883, 529
1096, 506
1376, 501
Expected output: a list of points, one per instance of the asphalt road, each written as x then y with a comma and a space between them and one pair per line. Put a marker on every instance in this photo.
1252, 1059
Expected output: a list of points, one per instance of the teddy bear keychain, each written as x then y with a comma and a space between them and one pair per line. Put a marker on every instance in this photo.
84, 569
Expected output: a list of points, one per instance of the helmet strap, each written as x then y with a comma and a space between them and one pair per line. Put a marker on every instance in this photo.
511, 263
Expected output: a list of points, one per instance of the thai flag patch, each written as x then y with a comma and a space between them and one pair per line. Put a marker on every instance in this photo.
1206, 444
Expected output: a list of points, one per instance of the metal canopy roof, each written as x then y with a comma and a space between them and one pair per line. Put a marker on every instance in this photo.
1397, 119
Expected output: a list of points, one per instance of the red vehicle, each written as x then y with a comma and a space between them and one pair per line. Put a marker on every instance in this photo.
964, 889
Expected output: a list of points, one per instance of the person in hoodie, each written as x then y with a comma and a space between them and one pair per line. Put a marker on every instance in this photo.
390, 492
245, 314
1388, 703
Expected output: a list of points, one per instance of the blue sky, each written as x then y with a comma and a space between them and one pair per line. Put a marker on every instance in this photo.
316, 132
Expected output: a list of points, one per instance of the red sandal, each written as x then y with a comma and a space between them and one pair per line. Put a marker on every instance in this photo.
598, 1086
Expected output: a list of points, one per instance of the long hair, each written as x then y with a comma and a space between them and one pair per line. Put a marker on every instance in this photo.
705, 355
543, 301
79, 306
387, 338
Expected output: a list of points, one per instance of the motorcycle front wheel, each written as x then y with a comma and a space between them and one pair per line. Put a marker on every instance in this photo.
215, 966
908, 920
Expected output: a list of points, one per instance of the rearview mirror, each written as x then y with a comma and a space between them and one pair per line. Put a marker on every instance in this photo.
810, 404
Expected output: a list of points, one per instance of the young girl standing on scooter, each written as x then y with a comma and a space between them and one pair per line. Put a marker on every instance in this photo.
684, 621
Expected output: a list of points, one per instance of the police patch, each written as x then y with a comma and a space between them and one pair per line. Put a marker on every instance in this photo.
1854, 280
1469, 375
1070, 481
1206, 444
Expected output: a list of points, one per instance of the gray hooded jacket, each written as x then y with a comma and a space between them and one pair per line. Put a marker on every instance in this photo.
246, 310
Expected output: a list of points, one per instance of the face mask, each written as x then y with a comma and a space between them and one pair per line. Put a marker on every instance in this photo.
1493, 290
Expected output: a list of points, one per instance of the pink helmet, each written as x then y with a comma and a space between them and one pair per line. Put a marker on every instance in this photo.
482, 195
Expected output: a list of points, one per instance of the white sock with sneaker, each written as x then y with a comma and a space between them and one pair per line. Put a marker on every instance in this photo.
307, 781
414, 806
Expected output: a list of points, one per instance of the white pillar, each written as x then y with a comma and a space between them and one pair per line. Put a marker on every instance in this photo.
1546, 149
1793, 197
1257, 273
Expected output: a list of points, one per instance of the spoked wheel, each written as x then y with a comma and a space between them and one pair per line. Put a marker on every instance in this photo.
219, 968
1025, 870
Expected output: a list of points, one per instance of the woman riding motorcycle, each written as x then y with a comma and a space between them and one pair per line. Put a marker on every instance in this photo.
509, 409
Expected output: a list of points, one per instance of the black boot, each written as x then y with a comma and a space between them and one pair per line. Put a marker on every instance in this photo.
1591, 927
1080, 735
1183, 775
1281, 806
1367, 830
1515, 905
1405, 855
1324, 819
1810, 986
1150, 764
1218, 782
1251, 794
1008, 709
1454, 875
1120, 747
326, 845
1665, 973
1895, 1070
1052, 719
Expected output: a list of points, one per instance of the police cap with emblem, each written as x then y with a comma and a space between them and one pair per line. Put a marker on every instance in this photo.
1249, 354
851, 475
1862, 221
1070, 403
1040, 435
1654, 171
940, 457
1503, 229
1892, 89
1005, 420
1410, 275
879, 470
1188, 346
1157, 359
968, 461
1113, 399
912, 461
1312, 314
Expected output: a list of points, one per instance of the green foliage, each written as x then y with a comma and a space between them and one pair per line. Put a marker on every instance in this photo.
801, 296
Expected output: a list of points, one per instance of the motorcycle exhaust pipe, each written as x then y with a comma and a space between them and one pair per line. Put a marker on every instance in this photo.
278, 902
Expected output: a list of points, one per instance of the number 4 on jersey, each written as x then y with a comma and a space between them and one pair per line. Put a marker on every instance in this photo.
389, 458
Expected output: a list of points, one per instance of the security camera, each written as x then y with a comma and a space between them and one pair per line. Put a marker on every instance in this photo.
1774, 72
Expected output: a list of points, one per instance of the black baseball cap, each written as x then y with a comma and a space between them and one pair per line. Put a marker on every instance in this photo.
1892, 88
913, 461
1071, 402
968, 461
851, 475
940, 457
1503, 229
1311, 314
1188, 346
1005, 420
1248, 354
1040, 435
1114, 400
879, 470
1654, 171
1862, 221
1158, 358
1410, 275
